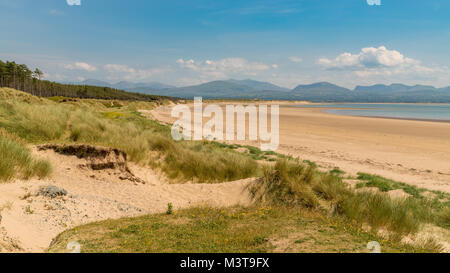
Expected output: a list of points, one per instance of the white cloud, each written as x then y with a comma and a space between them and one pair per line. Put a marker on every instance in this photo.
295, 59
195, 72
119, 68
80, 66
369, 57
381, 65
375, 61
223, 68
73, 2
130, 73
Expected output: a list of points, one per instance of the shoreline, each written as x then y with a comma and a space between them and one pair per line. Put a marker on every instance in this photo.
415, 152
323, 110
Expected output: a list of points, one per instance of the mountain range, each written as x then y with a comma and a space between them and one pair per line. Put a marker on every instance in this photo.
316, 92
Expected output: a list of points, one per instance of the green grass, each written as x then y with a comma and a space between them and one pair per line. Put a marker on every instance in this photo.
209, 230
16, 160
386, 185
337, 171
383, 184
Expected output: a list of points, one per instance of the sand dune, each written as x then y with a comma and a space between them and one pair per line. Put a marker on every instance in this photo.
30, 221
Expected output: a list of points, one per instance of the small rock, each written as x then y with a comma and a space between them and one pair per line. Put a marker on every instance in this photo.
52, 191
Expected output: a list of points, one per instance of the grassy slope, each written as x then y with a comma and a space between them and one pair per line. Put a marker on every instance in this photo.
248, 230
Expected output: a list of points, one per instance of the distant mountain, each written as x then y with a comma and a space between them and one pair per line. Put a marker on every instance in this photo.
319, 87
321, 91
92, 82
316, 92
145, 85
214, 89
260, 86
381, 88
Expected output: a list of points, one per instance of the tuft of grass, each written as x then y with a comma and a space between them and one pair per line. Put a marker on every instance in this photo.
288, 183
401, 217
16, 160
337, 171
444, 218
169, 209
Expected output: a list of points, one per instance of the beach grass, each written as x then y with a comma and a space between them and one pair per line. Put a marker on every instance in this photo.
295, 184
16, 160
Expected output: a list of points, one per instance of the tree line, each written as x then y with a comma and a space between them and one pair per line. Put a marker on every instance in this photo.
20, 77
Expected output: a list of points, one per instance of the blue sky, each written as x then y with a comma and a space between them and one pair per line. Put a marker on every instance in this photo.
347, 42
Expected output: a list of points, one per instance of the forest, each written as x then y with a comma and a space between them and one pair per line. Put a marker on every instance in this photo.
20, 77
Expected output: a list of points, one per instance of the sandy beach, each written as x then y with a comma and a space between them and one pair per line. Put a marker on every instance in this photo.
410, 151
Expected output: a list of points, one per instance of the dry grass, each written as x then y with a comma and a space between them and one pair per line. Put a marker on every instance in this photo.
16, 160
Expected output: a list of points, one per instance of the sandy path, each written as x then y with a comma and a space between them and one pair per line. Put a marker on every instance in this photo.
414, 152
93, 196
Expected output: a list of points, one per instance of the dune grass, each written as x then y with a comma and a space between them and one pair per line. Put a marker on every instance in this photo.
435, 204
232, 230
16, 160
118, 124
298, 184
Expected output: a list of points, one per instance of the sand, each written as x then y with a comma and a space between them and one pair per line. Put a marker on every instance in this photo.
410, 151
29, 221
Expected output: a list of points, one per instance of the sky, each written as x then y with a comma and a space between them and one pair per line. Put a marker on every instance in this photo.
187, 42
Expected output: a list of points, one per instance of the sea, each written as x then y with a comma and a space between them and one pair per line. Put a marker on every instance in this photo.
438, 112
